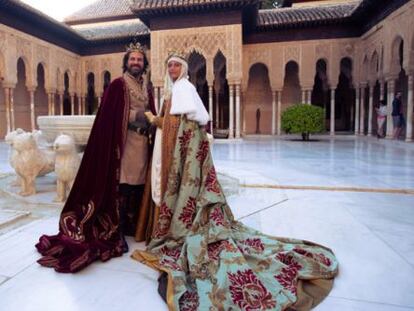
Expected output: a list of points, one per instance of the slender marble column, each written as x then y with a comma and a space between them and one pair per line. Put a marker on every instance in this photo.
231, 111
279, 113
72, 104
12, 117
237, 110
332, 130
210, 106
61, 103
274, 94
370, 109
382, 90
357, 101
7, 100
410, 107
362, 113
156, 98
391, 94
32, 109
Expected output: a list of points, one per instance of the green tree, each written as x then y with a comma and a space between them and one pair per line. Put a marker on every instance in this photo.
303, 119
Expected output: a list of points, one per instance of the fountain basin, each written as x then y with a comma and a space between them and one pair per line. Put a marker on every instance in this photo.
79, 127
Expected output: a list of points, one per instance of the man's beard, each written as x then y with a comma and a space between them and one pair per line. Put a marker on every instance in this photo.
135, 71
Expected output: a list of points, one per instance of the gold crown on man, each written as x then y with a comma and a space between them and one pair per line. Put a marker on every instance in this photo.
136, 47
177, 53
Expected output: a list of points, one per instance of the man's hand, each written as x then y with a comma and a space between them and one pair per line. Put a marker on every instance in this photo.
150, 117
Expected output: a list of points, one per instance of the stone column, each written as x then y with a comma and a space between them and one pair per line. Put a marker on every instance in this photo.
12, 119
382, 90
279, 113
7, 102
370, 109
231, 111
54, 103
51, 103
84, 104
72, 104
32, 108
332, 129
237, 110
243, 112
309, 101
357, 101
156, 98
362, 114
80, 105
303, 96
274, 94
61, 103
410, 106
210, 106
99, 101
217, 112
161, 95
391, 94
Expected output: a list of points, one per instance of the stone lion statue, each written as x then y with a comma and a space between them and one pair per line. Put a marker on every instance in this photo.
41, 143
66, 165
28, 161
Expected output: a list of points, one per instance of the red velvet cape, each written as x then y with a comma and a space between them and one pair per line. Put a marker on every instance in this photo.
88, 226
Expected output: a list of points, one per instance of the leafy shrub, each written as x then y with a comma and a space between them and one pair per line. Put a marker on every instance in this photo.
303, 119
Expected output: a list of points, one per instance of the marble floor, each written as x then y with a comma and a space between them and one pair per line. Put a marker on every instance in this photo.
355, 195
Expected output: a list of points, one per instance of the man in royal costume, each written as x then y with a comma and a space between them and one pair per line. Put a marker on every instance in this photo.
208, 260
103, 204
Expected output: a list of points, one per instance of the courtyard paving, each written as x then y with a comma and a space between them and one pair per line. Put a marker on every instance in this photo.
354, 195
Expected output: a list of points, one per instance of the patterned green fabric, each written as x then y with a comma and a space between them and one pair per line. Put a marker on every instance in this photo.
217, 263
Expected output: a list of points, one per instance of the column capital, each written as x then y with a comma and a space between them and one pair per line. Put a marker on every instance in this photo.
8, 85
306, 87
390, 78
50, 91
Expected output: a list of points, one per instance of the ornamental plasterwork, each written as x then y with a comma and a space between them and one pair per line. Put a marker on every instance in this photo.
292, 53
205, 41
259, 56
89, 66
42, 53
2, 41
23, 48
322, 51
106, 64
347, 50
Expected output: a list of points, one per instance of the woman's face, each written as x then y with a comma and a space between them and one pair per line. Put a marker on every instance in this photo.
174, 70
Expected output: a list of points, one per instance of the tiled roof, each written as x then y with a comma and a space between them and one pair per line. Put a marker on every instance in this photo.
130, 28
162, 4
156, 6
101, 10
300, 16
37, 14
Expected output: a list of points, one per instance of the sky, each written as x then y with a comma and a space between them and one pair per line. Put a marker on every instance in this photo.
58, 9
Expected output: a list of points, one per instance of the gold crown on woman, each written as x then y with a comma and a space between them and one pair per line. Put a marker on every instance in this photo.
136, 47
177, 53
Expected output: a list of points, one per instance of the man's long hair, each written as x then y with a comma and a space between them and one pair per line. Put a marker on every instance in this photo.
125, 62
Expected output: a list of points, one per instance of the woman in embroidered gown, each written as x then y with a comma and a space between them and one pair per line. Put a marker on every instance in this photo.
210, 260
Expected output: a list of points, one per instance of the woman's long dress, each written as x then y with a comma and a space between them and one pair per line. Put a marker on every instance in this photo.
213, 261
